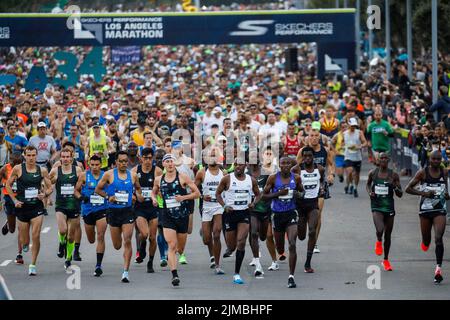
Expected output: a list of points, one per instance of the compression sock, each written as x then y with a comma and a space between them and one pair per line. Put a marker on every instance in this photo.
69, 249
174, 273
62, 238
439, 253
77, 247
239, 258
99, 258
142, 247
161, 246
309, 255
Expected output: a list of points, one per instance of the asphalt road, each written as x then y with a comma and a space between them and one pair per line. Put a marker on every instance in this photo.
346, 242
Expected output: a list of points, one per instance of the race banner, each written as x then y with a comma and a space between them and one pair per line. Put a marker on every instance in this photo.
140, 29
129, 54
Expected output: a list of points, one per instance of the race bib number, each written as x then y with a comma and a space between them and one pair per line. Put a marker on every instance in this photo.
146, 193
31, 193
96, 200
77, 155
428, 204
241, 199
172, 203
288, 196
436, 189
381, 190
67, 190
310, 186
14, 186
212, 194
121, 197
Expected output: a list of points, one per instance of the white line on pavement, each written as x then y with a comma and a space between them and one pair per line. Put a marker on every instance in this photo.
5, 263
46, 230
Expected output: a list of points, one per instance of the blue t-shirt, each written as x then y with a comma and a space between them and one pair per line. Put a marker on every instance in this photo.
18, 143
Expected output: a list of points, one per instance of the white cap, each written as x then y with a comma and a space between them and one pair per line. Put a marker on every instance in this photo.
346, 94
221, 138
104, 106
7, 110
217, 109
353, 122
41, 124
129, 91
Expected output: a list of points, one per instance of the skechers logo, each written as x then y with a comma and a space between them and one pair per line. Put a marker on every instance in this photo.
252, 28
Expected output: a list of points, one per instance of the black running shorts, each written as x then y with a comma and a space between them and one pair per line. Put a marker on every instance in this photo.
231, 220
116, 217
180, 225
282, 220
92, 218
29, 212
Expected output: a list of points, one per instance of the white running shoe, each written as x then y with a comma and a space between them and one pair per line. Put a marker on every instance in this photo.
259, 271
274, 266
32, 270
253, 263
316, 249
219, 271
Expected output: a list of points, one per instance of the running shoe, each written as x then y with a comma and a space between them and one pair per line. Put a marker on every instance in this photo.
212, 262
424, 247
219, 271
163, 262
355, 193
150, 267
45, 210
346, 189
341, 179
259, 273
387, 265
76, 256
282, 257
253, 262
182, 259
316, 249
350, 190
25, 248
98, 271
175, 281
378, 248
61, 250
228, 253
438, 275
32, 270
138, 258
237, 279
67, 266
5, 229
19, 259
274, 266
125, 277
291, 283
309, 270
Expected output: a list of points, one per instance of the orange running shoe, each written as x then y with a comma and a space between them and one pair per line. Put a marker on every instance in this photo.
424, 247
379, 248
387, 265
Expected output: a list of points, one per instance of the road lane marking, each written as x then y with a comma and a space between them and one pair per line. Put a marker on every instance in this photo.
5, 263
46, 230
